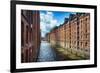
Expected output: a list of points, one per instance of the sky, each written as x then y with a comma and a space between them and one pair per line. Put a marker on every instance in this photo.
50, 19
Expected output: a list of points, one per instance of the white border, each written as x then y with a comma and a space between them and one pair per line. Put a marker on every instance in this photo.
20, 65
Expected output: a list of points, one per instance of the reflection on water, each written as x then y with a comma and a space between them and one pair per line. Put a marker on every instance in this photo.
46, 52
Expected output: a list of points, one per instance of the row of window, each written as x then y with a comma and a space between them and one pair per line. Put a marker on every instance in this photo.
25, 33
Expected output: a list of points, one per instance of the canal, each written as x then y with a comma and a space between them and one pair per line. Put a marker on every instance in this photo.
47, 53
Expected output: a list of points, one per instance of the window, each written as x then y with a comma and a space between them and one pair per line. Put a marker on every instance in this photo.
81, 43
85, 43
26, 34
30, 35
22, 33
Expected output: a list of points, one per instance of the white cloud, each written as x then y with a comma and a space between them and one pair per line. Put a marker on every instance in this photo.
47, 22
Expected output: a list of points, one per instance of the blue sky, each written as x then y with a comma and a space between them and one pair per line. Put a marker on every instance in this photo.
50, 19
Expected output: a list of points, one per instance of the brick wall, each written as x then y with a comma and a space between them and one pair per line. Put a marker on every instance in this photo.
30, 35
74, 33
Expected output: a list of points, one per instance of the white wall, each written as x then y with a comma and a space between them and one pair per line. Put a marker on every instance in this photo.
5, 36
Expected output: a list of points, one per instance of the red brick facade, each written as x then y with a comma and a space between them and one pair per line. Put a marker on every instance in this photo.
73, 34
30, 35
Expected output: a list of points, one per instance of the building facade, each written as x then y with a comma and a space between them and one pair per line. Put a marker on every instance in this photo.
84, 32
30, 35
74, 33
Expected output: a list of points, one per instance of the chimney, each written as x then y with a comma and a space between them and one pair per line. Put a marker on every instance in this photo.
66, 20
71, 16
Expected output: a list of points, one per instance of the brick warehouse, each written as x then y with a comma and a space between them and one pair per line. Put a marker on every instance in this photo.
73, 34
30, 35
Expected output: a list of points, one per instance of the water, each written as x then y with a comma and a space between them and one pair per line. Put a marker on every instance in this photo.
46, 52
